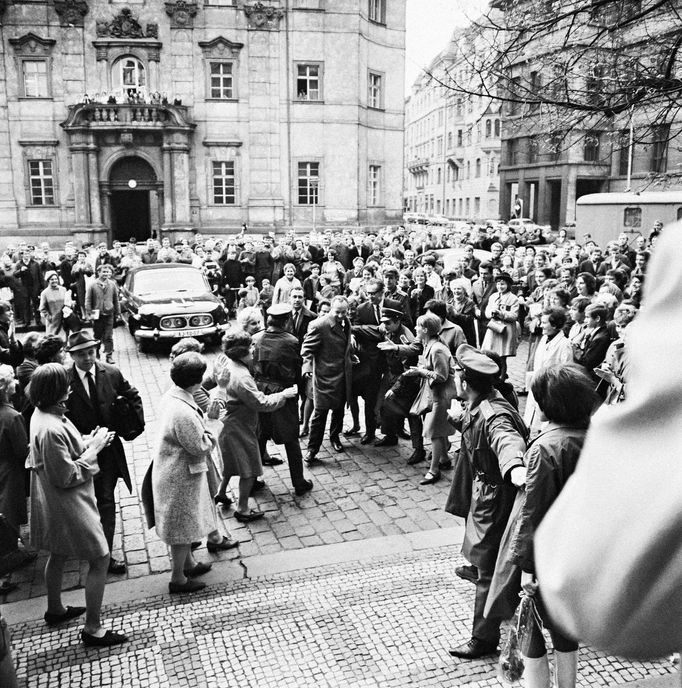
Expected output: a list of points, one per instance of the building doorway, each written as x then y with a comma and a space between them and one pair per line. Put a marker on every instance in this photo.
130, 215
134, 199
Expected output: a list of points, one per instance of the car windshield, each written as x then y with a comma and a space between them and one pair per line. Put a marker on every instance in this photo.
173, 279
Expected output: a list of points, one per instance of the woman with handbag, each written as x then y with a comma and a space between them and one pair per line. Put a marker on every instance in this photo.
502, 313
55, 305
436, 370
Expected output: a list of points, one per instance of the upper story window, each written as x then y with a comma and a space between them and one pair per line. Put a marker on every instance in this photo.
591, 147
377, 11
374, 185
35, 78
488, 128
223, 182
41, 182
222, 80
308, 183
309, 81
375, 98
128, 75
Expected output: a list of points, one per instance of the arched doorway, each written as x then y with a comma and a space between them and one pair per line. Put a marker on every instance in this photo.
133, 204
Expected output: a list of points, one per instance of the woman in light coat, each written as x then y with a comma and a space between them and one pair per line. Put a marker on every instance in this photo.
183, 507
52, 300
553, 347
64, 516
243, 402
502, 312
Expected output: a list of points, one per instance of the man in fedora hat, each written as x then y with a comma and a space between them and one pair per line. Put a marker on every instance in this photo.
93, 387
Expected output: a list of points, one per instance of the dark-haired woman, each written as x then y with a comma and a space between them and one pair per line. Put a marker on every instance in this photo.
566, 399
64, 516
243, 402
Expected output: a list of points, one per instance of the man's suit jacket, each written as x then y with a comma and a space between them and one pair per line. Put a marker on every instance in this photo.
305, 317
326, 353
109, 383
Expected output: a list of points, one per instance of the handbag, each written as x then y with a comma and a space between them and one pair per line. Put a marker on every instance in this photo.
71, 319
496, 326
423, 402
127, 417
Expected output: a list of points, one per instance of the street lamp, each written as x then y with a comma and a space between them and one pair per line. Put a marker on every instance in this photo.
314, 184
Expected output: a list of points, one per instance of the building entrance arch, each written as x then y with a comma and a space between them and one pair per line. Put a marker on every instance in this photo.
134, 197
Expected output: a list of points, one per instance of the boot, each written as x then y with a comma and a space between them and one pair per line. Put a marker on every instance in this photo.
565, 669
536, 672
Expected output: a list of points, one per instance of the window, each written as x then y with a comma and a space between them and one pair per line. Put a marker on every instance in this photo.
533, 149
440, 145
659, 149
458, 107
468, 169
222, 80
632, 218
375, 97
594, 85
41, 182
128, 76
449, 140
223, 182
477, 206
488, 128
459, 137
309, 81
469, 136
478, 167
591, 147
513, 152
514, 106
556, 142
377, 11
497, 128
624, 146
374, 185
308, 183
535, 88
35, 78
438, 180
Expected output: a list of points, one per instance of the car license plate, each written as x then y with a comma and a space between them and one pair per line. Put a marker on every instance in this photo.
190, 333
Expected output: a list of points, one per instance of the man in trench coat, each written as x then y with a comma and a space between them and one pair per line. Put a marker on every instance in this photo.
326, 356
93, 386
277, 366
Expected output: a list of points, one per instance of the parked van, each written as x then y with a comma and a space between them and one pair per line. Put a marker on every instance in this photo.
606, 215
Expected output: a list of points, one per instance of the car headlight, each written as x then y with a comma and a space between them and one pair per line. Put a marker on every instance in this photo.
200, 320
173, 323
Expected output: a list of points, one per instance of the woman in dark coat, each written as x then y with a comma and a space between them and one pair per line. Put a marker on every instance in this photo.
566, 398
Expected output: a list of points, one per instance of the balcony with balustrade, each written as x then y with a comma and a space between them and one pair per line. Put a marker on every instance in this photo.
128, 116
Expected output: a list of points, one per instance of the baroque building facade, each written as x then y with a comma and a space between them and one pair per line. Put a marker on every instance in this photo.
147, 117
452, 142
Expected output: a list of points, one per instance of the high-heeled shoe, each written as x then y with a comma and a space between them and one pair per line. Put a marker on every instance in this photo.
430, 478
223, 500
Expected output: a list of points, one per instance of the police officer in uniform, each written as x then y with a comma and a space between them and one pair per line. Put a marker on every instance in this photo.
493, 442
277, 365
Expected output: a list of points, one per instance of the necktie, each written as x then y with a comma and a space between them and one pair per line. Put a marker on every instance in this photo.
296, 322
93, 392
376, 314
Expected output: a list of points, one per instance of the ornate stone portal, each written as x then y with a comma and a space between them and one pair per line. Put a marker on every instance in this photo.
262, 16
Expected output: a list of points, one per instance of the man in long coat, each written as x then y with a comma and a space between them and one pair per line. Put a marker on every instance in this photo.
493, 443
277, 365
93, 386
326, 356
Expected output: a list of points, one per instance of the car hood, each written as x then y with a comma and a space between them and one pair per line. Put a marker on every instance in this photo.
178, 303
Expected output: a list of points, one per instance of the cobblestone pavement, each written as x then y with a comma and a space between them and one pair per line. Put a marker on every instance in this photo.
364, 492
386, 622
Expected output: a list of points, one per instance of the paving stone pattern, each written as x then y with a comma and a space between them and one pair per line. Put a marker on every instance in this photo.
361, 493
387, 622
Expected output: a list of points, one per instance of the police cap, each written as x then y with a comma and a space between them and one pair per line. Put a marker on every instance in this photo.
473, 360
390, 314
279, 310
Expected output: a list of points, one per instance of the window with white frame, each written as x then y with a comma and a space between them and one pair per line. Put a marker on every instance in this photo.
374, 185
128, 76
223, 182
41, 182
377, 11
309, 81
35, 78
375, 86
222, 80
308, 180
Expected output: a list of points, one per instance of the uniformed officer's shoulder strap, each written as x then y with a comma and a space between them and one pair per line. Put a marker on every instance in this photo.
487, 409
494, 408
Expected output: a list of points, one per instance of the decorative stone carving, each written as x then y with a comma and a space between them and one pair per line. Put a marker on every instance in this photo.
262, 16
125, 25
30, 44
71, 12
182, 14
220, 47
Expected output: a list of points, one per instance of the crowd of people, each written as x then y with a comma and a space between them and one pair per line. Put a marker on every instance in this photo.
322, 321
